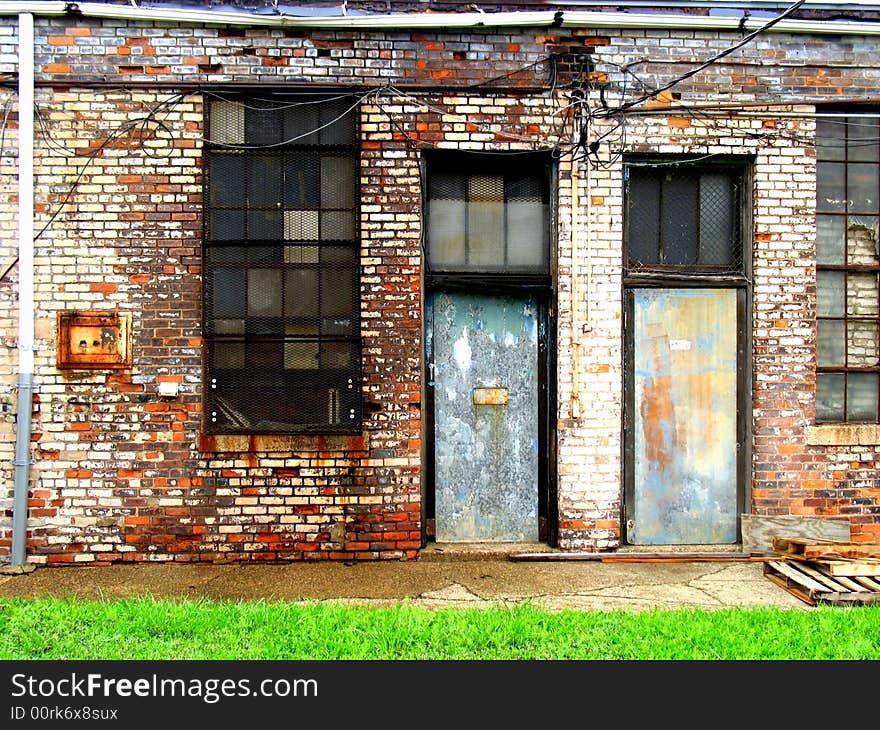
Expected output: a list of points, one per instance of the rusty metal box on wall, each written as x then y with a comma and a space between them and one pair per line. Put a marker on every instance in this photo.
94, 340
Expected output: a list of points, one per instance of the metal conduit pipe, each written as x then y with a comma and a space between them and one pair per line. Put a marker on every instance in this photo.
25, 285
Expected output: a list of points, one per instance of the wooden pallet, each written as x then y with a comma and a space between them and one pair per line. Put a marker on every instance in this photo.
813, 584
818, 549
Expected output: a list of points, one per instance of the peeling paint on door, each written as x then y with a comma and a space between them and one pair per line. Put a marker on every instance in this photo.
684, 417
485, 351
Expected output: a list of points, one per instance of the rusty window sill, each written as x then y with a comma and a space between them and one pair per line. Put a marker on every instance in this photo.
283, 444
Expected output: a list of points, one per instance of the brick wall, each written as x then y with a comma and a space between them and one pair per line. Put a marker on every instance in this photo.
121, 473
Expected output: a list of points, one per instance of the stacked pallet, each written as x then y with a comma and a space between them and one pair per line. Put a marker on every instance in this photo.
826, 571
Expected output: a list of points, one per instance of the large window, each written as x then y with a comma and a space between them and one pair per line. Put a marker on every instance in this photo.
847, 293
281, 265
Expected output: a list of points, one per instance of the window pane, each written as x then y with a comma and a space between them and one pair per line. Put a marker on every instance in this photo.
337, 355
829, 397
861, 397
863, 182
679, 221
301, 225
861, 139
227, 122
338, 181
830, 186
446, 233
830, 343
526, 242
263, 126
338, 225
264, 293
861, 295
227, 225
301, 123
263, 181
643, 219
830, 239
716, 220
829, 293
227, 172
861, 240
338, 293
485, 233
228, 292
830, 138
338, 121
301, 293
302, 184
264, 224
861, 343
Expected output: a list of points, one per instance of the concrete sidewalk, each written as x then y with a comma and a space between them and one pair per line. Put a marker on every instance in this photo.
435, 580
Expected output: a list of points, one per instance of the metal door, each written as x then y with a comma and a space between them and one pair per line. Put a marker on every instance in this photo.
484, 355
683, 414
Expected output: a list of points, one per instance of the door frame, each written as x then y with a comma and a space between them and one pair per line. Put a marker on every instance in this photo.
546, 384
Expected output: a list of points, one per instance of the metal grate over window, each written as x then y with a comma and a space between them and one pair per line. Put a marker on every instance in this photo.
493, 217
684, 217
281, 266
848, 267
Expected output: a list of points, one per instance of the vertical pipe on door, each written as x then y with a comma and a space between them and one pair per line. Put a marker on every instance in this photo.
25, 284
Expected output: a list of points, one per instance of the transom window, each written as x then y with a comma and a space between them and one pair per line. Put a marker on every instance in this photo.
281, 265
847, 263
685, 215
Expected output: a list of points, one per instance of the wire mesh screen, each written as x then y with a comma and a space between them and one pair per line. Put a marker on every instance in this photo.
281, 267
684, 218
488, 220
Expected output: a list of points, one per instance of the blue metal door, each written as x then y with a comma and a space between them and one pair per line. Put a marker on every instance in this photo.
684, 417
484, 352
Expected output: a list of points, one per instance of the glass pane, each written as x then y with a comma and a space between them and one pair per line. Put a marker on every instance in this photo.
228, 293
338, 180
301, 225
227, 122
830, 238
227, 225
643, 219
863, 181
861, 344
263, 126
830, 186
301, 254
337, 355
338, 121
862, 143
338, 293
302, 183
861, 397
830, 343
265, 354
228, 353
861, 295
829, 138
263, 181
829, 397
264, 225
227, 172
678, 215
300, 123
861, 240
485, 221
261, 254
829, 293
446, 233
526, 244
224, 254
302, 354
301, 293
338, 225
716, 219
264, 293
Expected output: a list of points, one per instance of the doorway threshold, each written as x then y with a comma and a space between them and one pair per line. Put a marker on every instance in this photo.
647, 554
458, 551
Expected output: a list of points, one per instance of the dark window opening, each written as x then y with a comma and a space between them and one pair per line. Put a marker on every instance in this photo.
281, 273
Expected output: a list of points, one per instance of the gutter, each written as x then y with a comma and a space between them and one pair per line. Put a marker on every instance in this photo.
398, 21
25, 285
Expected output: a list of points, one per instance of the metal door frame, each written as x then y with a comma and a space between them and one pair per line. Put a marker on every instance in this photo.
547, 514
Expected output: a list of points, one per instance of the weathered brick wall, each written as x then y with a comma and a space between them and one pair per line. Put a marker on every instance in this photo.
123, 474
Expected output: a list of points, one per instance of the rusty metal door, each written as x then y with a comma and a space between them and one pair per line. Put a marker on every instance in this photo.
484, 358
683, 417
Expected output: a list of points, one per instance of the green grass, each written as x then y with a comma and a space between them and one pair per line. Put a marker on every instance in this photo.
150, 629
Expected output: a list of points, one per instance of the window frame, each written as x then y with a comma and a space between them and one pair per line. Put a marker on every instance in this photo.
829, 153
282, 382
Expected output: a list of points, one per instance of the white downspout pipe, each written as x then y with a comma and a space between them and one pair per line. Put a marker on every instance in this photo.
25, 285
